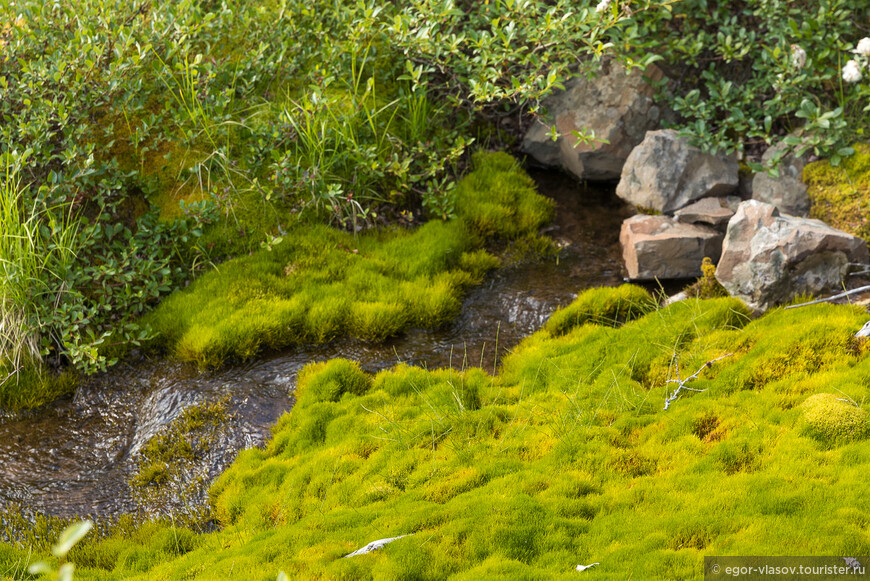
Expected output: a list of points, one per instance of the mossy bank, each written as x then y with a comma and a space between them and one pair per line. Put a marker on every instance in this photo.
319, 283
566, 457
840, 195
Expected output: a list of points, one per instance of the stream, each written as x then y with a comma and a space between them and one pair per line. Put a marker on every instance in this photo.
76, 456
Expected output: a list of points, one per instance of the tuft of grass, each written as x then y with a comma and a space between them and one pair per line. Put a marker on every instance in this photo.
36, 252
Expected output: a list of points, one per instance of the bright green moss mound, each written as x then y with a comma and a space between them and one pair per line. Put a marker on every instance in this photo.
603, 306
840, 196
834, 420
565, 458
321, 283
498, 200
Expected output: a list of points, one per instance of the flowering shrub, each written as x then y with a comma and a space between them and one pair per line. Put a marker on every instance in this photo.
855, 69
746, 74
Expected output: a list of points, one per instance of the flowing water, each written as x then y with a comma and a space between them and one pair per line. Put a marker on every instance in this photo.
76, 456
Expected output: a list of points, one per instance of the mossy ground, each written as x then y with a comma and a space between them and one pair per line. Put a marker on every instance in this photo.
840, 196
33, 386
566, 457
320, 283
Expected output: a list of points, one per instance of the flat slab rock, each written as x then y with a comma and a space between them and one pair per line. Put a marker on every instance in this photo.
665, 173
768, 259
661, 247
715, 212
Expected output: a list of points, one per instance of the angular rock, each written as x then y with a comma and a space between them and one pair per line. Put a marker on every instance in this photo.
665, 173
660, 247
713, 211
617, 106
768, 259
787, 192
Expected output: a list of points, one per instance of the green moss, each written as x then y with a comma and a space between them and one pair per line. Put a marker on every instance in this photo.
162, 463
34, 386
603, 306
565, 457
498, 199
321, 283
328, 381
834, 420
840, 196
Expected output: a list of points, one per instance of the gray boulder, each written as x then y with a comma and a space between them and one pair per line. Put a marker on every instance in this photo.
617, 106
661, 247
787, 191
768, 259
665, 173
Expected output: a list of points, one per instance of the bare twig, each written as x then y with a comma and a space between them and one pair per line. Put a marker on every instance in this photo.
682, 382
854, 291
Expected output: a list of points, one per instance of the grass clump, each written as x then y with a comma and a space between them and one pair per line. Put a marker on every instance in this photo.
320, 283
329, 380
602, 306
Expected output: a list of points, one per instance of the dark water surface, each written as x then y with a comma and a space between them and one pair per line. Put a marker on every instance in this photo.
75, 456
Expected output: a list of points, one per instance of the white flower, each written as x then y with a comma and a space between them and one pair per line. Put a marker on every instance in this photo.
863, 47
852, 72
798, 57
603, 5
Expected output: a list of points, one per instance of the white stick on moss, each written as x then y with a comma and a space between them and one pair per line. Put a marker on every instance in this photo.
682, 382
860, 289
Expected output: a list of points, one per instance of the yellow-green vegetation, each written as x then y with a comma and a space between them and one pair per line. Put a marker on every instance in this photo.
160, 457
706, 287
170, 476
565, 458
834, 419
33, 386
603, 306
840, 196
320, 283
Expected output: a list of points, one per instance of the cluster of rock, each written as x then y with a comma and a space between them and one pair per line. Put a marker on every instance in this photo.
694, 204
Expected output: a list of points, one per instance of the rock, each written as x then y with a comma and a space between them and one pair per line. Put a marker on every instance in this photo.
680, 296
617, 106
768, 259
787, 192
665, 173
660, 247
713, 211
